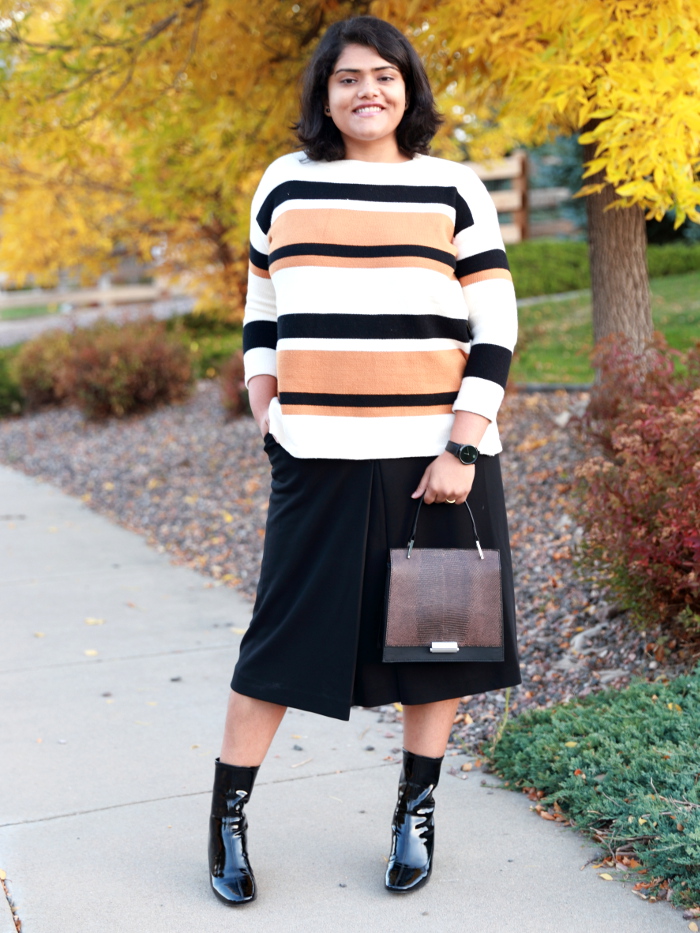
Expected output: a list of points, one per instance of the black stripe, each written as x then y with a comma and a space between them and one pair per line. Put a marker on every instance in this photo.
371, 327
259, 260
259, 334
366, 401
490, 259
489, 361
464, 217
328, 190
361, 252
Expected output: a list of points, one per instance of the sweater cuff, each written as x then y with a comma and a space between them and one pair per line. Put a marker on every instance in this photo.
480, 396
260, 361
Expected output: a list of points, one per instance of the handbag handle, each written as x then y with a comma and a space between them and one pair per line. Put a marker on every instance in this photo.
412, 539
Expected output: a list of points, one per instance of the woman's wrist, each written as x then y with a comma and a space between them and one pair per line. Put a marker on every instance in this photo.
468, 428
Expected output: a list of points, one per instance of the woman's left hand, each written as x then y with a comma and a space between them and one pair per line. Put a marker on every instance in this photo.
445, 478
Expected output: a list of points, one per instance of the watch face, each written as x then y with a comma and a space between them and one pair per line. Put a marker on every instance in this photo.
468, 454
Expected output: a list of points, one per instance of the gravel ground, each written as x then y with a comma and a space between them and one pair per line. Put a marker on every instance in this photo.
197, 486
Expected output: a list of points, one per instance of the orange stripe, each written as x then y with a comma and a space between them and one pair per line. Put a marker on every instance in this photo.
362, 228
366, 412
370, 262
357, 372
486, 274
262, 273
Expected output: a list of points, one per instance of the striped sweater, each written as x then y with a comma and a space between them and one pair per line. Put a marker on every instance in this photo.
380, 297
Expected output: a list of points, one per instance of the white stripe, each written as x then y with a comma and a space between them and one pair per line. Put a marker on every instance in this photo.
386, 207
330, 290
260, 361
493, 312
363, 345
480, 396
332, 436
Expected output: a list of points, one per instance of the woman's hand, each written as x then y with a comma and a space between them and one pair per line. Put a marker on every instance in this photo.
445, 478
261, 390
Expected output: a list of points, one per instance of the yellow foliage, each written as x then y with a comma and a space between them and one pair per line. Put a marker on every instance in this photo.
135, 125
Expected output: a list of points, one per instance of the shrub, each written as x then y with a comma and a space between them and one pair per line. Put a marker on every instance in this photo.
640, 505
544, 267
120, 370
234, 395
42, 368
622, 765
657, 376
11, 397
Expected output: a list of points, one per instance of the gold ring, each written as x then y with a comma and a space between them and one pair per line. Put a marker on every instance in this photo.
451, 501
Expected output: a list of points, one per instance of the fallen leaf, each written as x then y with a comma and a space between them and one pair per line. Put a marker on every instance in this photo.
39, 634
194, 746
693, 926
467, 767
605, 876
108, 487
90, 652
571, 744
3, 876
239, 631
300, 763
91, 621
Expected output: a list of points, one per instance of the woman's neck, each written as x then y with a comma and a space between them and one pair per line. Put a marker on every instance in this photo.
374, 150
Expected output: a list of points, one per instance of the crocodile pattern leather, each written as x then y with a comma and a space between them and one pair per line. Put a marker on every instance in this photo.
444, 594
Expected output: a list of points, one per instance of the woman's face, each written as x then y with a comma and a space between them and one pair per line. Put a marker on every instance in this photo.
367, 99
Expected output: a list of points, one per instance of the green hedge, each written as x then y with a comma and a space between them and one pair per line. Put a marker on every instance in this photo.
545, 267
11, 400
623, 766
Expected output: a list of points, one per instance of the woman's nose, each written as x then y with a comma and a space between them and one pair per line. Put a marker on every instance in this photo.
368, 89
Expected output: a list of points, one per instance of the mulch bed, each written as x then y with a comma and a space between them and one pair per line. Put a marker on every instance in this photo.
197, 486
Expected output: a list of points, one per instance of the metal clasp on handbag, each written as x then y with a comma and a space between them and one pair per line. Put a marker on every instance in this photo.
444, 647
412, 539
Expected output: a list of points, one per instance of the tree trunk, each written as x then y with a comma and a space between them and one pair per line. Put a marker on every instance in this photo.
617, 244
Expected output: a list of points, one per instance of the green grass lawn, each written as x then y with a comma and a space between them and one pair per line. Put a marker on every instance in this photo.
16, 314
556, 337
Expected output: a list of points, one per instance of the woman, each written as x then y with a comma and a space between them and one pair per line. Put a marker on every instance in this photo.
376, 272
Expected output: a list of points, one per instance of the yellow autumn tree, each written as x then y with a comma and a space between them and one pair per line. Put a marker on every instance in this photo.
625, 74
148, 123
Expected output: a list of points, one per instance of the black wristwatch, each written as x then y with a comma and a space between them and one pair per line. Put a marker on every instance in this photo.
465, 453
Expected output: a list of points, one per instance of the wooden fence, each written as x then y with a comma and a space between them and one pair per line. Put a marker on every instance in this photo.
519, 201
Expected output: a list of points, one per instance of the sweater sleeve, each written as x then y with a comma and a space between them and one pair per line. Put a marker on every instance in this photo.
487, 285
260, 318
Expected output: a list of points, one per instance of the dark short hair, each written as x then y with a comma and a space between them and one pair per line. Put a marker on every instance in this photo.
318, 135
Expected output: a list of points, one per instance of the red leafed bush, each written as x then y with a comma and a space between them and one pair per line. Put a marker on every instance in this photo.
640, 504
234, 395
119, 370
657, 376
42, 369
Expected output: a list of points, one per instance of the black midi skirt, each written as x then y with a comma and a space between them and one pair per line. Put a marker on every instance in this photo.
314, 641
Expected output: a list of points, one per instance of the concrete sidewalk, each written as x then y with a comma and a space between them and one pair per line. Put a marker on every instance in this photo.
109, 732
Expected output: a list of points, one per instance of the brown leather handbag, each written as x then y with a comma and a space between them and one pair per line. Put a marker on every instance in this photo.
443, 604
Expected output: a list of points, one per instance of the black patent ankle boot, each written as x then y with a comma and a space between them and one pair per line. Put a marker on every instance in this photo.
231, 876
413, 829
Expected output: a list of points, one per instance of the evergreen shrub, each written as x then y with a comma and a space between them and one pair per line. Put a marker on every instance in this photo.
639, 503
119, 370
42, 369
545, 267
234, 395
11, 398
623, 767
